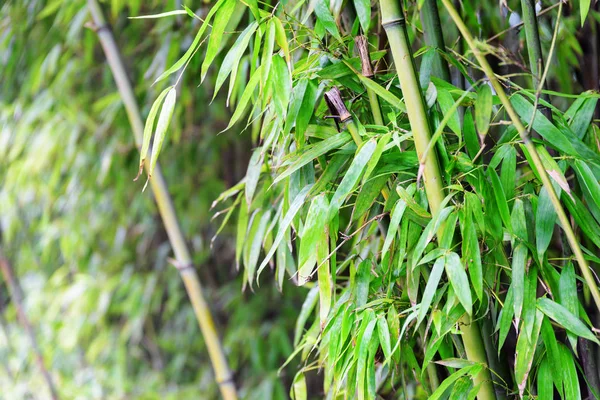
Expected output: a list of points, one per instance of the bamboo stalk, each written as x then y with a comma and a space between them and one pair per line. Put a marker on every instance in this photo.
534, 49
432, 28
188, 274
537, 163
17, 298
392, 18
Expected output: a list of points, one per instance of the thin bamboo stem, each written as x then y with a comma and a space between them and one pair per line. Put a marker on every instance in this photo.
432, 29
537, 163
17, 298
188, 274
534, 49
392, 18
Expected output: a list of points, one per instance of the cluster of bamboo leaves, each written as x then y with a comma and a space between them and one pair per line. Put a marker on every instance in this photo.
339, 207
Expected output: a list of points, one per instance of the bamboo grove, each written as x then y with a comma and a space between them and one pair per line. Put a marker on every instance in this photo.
426, 173
446, 230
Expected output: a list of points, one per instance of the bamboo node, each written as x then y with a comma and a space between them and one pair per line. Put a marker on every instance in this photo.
393, 22
362, 46
336, 105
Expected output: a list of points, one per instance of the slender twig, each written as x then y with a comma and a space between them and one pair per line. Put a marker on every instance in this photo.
535, 158
190, 278
17, 299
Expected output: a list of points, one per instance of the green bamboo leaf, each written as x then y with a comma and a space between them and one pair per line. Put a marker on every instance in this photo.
149, 128
569, 373
470, 249
295, 206
190, 51
298, 390
248, 92
253, 173
584, 8
267, 55
281, 85
309, 153
500, 197
363, 280
565, 318
382, 92
232, 59
397, 213
383, 331
361, 366
324, 274
519, 261
431, 288
161, 15
307, 108
449, 381
381, 143
363, 11
483, 109
352, 176
305, 311
505, 318
545, 384
242, 229
459, 281
446, 102
257, 236
428, 233
162, 125
369, 193
471, 139
508, 173
587, 178
312, 234
545, 218
324, 16
282, 41
525, 352
567, 295
582, 119
222, 17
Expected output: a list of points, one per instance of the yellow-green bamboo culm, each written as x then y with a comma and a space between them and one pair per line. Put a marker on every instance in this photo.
392, 18
188, 274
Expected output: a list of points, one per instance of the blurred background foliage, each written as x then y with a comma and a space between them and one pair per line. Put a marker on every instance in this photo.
110, 313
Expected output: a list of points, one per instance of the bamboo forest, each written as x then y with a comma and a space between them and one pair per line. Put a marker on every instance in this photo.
299, 199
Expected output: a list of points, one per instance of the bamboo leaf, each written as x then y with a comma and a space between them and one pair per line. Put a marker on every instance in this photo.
431, 288
257, 236
397, 213
544, 223
324, 16
383, 331
382, 92
446, 102
148, 129
470, 249
569, 372
459, 281
162, 125
298, 390
565, 318
267, 55
524, 354
308, 154
248, 92
363, 11
500, 197
232, 59
519, 261
545, 385
351, 177
567, 292
161, 15
381, 144
584, 8
449, 381
282, 41
312, 234
483, 109
222, 17
295, 206
305, 311
253, 173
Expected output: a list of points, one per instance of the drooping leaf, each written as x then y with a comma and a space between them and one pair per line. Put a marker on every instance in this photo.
162, 125
459, 281
483, 109
363, 11
565, 318
222, 17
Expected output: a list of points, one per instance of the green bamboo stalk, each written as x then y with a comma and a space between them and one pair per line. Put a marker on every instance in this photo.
537, 163
17, 298
432, 29
188, 274
392, 19
362, 46
534, 49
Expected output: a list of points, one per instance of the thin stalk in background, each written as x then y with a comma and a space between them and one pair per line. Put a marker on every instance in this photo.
562, 216
188, 274
17, 298
392, 19
534, 49
432, 29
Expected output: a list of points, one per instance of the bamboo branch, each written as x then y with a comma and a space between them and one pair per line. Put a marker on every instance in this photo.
392, 19
17, 298
537, 163
188, 274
